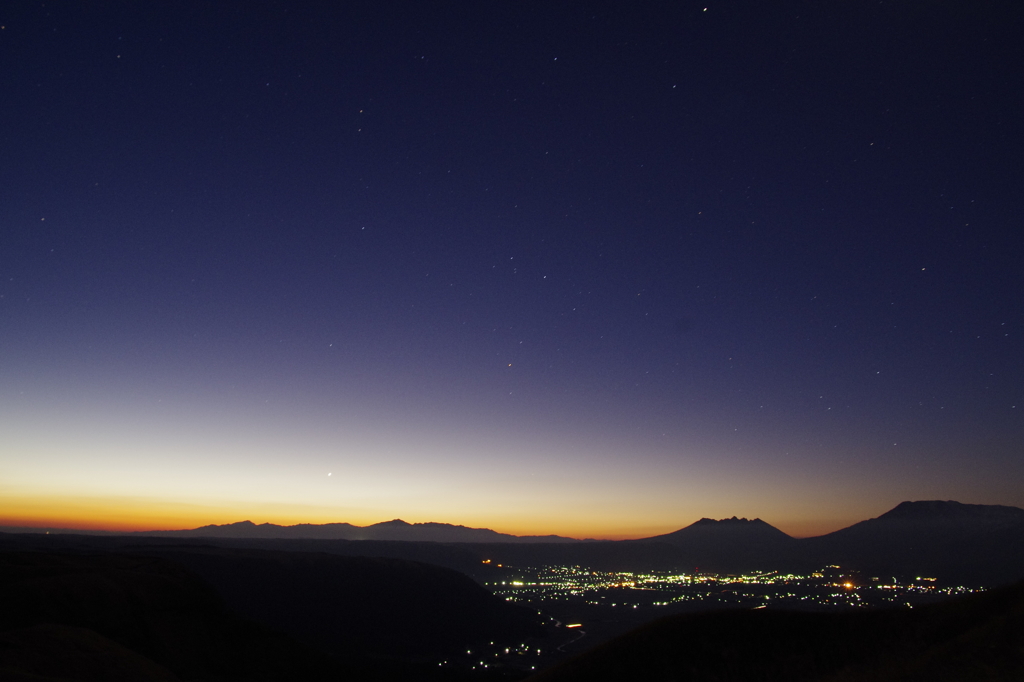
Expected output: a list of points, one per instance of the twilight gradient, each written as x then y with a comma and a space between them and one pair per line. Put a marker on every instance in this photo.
592, 271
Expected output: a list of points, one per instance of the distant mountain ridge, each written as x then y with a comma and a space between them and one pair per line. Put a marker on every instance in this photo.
966, 544
395, 530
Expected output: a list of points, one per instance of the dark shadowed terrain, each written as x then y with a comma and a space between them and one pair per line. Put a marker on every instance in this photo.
118, 617
980, 637
387, 608
235, 615
266, 608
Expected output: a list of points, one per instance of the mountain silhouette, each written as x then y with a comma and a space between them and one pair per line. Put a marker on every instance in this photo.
711, 534
957, 543
938, 511
728, 545
396, 530
964, 543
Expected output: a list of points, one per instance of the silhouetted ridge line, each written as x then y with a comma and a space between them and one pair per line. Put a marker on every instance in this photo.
971, 544
396, 529
965, 544
932, 510
754, 530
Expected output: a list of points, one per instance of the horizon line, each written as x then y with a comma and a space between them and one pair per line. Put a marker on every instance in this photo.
122, 528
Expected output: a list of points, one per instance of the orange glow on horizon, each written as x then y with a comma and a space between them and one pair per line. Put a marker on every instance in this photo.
128, 515
110, 515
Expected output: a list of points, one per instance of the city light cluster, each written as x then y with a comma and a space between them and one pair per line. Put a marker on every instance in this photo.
829, 587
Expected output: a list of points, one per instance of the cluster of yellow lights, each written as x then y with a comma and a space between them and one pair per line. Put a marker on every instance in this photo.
563, 582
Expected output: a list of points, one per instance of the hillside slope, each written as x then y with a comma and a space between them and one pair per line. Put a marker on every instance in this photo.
960, 543
118, 617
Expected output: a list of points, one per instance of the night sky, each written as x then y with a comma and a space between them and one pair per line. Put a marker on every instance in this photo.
594, 269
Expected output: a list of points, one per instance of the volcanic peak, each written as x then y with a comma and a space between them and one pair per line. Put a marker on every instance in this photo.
928, 510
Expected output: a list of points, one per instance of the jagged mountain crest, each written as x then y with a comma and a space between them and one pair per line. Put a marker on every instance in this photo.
734, 520
731, 529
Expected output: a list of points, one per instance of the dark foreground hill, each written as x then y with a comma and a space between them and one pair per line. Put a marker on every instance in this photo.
217, 614
980, 637
116, 617
388, 608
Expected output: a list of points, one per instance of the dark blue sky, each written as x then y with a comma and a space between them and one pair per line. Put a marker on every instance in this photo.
596, 269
